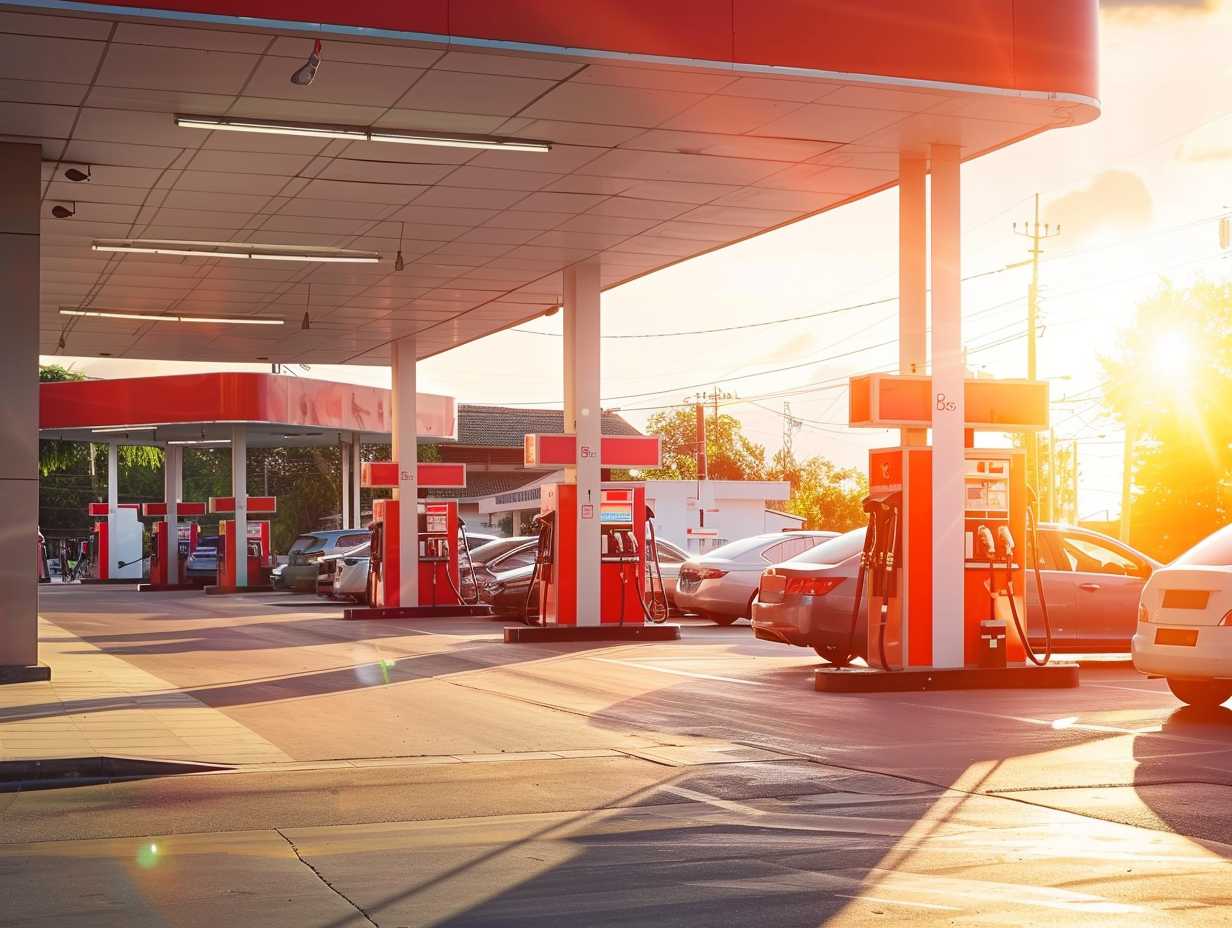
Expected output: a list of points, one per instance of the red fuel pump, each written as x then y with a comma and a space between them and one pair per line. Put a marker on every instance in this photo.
441, 540
118, 544
186, 543
622, 516
257, 547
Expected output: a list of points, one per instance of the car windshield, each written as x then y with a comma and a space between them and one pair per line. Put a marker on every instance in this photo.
836, 550
1213, 551
304, 542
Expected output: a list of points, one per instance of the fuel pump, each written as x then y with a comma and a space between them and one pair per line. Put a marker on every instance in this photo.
653, 614
620, 555
1003, 552
544, 524
438, 532
879, 562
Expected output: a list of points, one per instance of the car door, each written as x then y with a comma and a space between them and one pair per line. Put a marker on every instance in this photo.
1059, 594
1108, 582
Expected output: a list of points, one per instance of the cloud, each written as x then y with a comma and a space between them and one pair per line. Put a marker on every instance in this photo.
1117, 199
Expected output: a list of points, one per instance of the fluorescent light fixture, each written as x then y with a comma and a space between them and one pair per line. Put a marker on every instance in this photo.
248, 250
264, 127
171, 317
361, 133
124, 428
201, 441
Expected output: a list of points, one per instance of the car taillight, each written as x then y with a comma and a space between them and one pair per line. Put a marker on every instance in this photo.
710, 573
813, 586
1144, 614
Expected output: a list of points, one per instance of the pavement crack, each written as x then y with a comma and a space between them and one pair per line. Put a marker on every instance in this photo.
328, 885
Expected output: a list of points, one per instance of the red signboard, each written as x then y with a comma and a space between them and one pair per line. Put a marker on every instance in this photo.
432, 475
907, 401
255, 504
232, 396
100, 509
552, 451
182, 509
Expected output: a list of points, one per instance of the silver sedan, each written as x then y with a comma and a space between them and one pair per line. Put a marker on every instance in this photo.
1091, 584
722, 584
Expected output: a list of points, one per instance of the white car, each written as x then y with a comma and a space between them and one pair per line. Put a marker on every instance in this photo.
350, 574
721, 584
1185, 623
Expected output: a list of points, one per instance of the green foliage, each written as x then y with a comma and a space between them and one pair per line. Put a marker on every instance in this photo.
730, 455
55, 373
1180, 417
828, 497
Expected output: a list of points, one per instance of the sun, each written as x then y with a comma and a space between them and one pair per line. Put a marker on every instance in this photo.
1172, 358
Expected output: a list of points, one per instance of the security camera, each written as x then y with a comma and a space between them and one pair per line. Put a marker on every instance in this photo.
76, 175
60, 211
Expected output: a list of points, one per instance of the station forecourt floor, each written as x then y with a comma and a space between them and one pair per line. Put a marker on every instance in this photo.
423, 772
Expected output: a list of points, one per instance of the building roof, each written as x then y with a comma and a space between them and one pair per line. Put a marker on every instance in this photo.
482, 483
507, 426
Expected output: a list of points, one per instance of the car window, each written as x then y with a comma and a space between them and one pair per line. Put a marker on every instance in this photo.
304, 542
514, 559
790, 549
1086, 555
346, 542
736, 549
835, 550
1214, 551
668, 554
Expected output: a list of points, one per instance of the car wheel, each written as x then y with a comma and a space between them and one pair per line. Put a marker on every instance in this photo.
1201, 694
832, 654
722, 619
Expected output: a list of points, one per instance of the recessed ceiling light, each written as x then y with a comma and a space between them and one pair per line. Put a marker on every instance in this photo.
361, 133
236, 250
170, 317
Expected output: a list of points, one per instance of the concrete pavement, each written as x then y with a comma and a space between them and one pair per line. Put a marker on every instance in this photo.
433, 776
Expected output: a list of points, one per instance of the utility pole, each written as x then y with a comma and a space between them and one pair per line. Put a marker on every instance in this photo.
1037, 234
699, 401
791, 425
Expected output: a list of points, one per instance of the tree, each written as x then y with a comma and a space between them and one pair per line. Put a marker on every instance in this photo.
827, 496
729, 454
1169, 382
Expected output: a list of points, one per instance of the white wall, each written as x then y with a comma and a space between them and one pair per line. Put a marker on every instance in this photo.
737, 509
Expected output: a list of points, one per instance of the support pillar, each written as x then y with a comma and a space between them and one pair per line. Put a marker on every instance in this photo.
912, 275
344, 455
948, 375
239, 489
113, 487
583, 417
173, 474
20, 167
405, 452
357, 511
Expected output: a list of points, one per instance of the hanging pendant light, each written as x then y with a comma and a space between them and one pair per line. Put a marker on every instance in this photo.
399, 263
307, 323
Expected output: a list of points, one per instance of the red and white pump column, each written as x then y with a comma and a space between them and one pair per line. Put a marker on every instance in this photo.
405, 453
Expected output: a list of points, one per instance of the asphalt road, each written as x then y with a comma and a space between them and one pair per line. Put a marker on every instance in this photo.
696, 783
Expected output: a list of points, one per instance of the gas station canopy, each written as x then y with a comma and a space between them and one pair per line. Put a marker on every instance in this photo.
492, 145
203, 410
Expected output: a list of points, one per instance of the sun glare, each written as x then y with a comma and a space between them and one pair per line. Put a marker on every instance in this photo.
1173, 358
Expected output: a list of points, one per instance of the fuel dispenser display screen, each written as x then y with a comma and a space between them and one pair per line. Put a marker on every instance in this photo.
434, 533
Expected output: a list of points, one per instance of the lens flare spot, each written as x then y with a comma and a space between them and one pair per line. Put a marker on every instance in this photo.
147, 855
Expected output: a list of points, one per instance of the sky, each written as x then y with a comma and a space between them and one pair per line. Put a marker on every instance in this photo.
1137, 194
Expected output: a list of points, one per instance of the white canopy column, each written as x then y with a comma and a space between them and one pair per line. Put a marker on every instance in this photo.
239, 489
173, 483
948, 376
405, 448
583, 418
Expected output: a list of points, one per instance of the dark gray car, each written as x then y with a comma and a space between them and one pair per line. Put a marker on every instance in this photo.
1091, 583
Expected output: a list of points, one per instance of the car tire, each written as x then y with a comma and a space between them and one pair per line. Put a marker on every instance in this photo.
1201, 694
831, 654
723, 620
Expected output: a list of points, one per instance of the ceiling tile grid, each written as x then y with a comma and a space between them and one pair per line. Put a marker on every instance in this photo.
649, 165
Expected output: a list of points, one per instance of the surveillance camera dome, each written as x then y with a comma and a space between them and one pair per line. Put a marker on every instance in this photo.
76, 175
62, 212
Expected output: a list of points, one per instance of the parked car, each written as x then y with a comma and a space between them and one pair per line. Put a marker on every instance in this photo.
506, 590
722, 584
506, 593
1184, 629
1091, 583
344, 574
302, 567
202, 563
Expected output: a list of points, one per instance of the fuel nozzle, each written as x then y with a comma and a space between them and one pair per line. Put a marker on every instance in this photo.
984, 533
1005, 540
